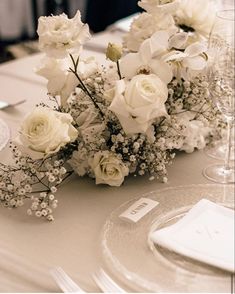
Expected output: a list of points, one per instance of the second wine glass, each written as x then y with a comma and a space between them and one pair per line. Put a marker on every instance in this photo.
221, 80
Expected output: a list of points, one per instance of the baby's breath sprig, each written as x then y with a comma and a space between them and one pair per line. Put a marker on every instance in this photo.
28, 178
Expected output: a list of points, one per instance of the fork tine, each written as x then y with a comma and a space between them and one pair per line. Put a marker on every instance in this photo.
100, 284
105, 283
5, 104
59, 278
66, 284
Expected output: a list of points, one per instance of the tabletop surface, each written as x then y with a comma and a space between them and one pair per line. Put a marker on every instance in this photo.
72, 241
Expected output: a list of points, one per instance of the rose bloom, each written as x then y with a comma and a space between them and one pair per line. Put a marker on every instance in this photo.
108, 168
59, 35
139, 103
45, 131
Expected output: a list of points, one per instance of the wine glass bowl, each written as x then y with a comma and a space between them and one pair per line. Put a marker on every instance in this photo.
221, 79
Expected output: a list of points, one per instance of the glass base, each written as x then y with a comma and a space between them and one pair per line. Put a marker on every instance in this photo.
219, 174
219, 151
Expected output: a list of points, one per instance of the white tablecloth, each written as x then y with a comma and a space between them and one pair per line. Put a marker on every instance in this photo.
72, 240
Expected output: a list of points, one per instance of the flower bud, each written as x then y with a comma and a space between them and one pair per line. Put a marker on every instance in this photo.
114, 52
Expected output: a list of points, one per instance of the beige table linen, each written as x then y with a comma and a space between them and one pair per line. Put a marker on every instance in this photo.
72, 240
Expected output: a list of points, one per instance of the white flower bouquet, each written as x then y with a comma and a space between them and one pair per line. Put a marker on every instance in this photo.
129, 117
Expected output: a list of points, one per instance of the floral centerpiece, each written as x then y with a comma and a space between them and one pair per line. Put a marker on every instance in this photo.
129, 117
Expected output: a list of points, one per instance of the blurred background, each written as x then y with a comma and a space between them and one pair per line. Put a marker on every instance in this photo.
18, 19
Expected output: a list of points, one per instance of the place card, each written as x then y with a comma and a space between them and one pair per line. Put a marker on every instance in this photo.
205, 233
138, 210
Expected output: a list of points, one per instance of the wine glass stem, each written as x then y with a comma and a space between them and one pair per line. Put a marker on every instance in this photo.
228, 153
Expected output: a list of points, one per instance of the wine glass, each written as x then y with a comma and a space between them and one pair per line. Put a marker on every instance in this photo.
221, 80
219, 149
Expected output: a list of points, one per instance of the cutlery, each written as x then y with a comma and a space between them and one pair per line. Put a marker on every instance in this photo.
66, 284
106, 283
5, 104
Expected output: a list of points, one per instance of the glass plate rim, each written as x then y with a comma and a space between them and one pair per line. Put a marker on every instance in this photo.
131, 276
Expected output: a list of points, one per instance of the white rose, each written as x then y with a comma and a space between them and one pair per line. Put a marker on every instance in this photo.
108, 168
139, 103
45, 131
59, 35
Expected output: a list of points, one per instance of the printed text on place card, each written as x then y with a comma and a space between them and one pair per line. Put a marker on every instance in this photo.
139, 209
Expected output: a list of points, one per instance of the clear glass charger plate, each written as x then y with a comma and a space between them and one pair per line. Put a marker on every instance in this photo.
132, 258
4, 134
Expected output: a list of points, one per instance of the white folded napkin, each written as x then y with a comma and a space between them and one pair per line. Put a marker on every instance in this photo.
124, 23
205, 233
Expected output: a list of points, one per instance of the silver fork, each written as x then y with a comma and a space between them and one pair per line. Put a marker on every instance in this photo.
66, 284
5, 104
106, 283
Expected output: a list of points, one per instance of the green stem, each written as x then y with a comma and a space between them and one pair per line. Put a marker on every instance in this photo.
84, 88
118, 69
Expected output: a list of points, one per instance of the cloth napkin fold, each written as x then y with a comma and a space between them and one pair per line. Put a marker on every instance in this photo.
205, 233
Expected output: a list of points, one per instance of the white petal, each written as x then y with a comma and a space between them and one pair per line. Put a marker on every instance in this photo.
169, 7
195, 63
118, 106
195, 49
120, 87
132, 126
162, 70
77, 16
146, 51
178, 40
147, 113
129, 65
159, 42
22, 146
174, 55
55, 84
